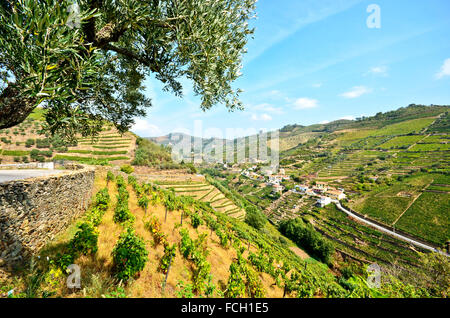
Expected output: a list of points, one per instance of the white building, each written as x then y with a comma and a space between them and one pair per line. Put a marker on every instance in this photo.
323, 201
274, 179
336, 194
277, 188
301, 187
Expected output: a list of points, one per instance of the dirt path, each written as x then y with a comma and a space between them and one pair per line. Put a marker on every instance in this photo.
300, 253
412, 202
418, 142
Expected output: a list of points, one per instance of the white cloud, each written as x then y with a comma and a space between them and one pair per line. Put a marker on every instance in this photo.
348, 117
305, 103
317, 85
262, 117
143, 128
379, 70
445, 70
268, 108
356, 92
275, 92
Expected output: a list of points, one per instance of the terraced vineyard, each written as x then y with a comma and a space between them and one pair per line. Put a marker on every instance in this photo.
289, 207
205, 192
204, 255
394, 168
25, 143
361, 241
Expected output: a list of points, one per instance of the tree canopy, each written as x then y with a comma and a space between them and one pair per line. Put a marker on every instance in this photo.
86, 61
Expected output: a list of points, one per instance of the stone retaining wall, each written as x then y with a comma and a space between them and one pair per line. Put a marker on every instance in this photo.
33, 211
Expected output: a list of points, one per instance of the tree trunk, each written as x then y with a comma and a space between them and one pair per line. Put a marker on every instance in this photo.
167, 274
14, 108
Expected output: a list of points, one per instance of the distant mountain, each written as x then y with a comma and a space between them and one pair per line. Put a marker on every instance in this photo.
291, 136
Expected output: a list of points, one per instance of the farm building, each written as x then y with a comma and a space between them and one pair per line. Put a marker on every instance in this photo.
301, 187
336, 194
277, 188
323, 201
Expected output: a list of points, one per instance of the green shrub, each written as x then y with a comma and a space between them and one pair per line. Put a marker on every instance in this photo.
101, 204
123, 194
38, 155
120, 181
127, 169
122, 213
60, 149
143, 202
95, 215
191, 168
62, 261
132, 180
102, 198
129, 255
109, 176
196, 220
85, 239
43, 143
224, 239
235, 284
168, 257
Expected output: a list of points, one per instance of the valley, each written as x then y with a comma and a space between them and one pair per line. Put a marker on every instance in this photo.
392, 173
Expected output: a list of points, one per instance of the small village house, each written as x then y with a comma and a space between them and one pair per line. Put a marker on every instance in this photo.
301, 187
336, 194
276, 188
323, 201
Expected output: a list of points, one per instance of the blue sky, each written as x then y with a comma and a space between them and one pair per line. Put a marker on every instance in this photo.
315, 61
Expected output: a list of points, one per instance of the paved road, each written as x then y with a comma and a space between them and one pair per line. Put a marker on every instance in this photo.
9, 175
385, 230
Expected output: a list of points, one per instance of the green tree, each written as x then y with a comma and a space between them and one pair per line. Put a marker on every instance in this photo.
254, 217
83, 74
